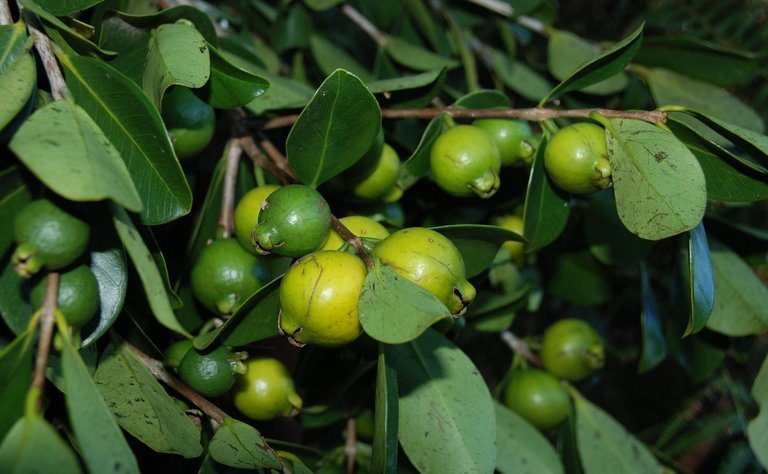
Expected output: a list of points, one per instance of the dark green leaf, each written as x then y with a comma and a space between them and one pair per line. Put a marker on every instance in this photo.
330, 57
659, 185
478, 244
130, 43
231, 86
519, 77
609, 241
415, 57
394, 310
142, 407
66, 7
87, 168
102, 445
546, 209
597, 69
483, 99
654, 345
17, 84
109, 267
15, 379
384, 456
757, 429
14, 194
136, 129
417, 165
14, 43
198, 17
320, 5
701, 285
414, 81
334, 130
446, 419
33, 445
283, 93
522, 448
416, 90
240, 445
577, 277
14, 306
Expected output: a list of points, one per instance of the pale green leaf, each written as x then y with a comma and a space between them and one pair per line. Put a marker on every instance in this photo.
33, 446
521, 448
17, 83
757, 429
15, 379
384, 456
241, 445
14, 43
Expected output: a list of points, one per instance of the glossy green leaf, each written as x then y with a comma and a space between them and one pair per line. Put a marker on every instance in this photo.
417, 165
546, 208
87, 166
198, 17
414, 57
177, 54
700, 59
414, 81
522, 448
17, 84
384, 456
231, 86
580, 66
606, 446
111, 271
659, 185
446, 418
701, 286
757, 429
334, 130
741, 297
102, 444
478, 244
14, 43
240, 445
15, 379
66, 7
519, 77
330, 57
141, 405
33, 445
149, 274
394, 310
654, 344
483, 99
283, 93
130, 42
136, 129
14, 194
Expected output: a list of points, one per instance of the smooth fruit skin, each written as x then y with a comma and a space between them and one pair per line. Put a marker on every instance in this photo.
516, 249
319, 299
576, 159
572, 350
224, 275
430, 260
78, 298
176, 351
465, 161
266, 390
247, 212
383, 178
510, 136
538, 397
361, 226
189, 120
211, 373
295, 220
47, 236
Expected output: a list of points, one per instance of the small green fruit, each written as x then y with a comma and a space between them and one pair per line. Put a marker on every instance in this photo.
176, 351
189, 120
78, 298
381, 181
465, 161
212, 372
516, 249
266, 390
538, 397
247, 212
511, 136
572, 350
576, 159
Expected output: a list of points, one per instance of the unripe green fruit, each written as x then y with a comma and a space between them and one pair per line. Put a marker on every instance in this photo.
189, 120
361, 226
224, 275
247, 212
78, 298
465, 161
572, 350
176, 351
319, 299
576, 159
266, 390
510, 136
538, 397
516, 249
47, 237
295, 220
383, 178
430, 260
212, 372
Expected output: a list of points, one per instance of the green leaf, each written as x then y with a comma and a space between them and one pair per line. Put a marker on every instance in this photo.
478, 244
283, 93
606, 446
14, 194
86, 166
609, 241
701, 285
141, 405
334, 130
111, 271
577, 277
101, 442
384, 456
522, 448
33, 445
757, 429
240, 445
546, 208
231, 86
15, 307
483, 99
330, 57
320, 5
149, 274
417, 165
66, 7
446, 417
15, 379
414, 81
14, 43
654, 344
414, 57
519, 77
741, 296
198, 17
136, 129
580, 66
659, 185
395, 310
177, 54
17, 84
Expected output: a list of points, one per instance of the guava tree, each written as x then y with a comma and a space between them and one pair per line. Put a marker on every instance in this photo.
366, 236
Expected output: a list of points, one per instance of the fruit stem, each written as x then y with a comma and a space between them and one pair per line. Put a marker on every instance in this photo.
47, 319
350, 448
348, 236
519, 346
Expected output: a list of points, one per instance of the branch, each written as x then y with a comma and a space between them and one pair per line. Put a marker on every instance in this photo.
348, 236
365, 25
5, 13
45, 50
50, 302
232, 153
259, 159
519, 346
277, 157
350, 447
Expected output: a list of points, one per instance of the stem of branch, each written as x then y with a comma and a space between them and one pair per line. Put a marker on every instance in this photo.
232, 152
350, 448
44, 48
519, 346
259, 159
348, 236
162, 374
277, 157
365, 25
47, 319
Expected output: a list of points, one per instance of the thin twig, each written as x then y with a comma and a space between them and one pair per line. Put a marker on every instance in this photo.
44, 48
5, 13
260, 160
276, 156
519, 346
364, 24
162, 374
348, 236
233, 150
350, 448
47, 319
506, 10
